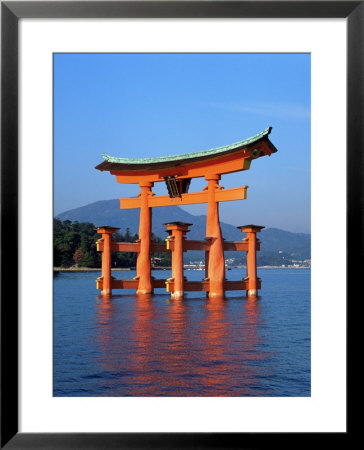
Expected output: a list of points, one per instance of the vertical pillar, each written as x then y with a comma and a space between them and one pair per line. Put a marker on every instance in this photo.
207, 267
177, 231
143, 266
106, 240
251, 258
216, 260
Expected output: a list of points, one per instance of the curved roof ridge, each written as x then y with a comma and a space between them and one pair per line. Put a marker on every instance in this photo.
212, 151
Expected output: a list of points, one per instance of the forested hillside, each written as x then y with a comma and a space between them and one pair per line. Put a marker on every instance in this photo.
278, 247
74, 245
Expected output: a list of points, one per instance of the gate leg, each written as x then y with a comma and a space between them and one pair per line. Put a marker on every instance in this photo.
106, 277
251, 258
143, 266
177, 231
216, 260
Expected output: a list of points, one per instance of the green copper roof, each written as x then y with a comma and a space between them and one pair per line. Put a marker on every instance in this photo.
184, 156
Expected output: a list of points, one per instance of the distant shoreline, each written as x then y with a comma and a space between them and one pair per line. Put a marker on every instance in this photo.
92, 269
84, 269
280, 267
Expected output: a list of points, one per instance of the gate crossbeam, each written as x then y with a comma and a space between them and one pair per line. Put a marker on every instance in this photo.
176, 243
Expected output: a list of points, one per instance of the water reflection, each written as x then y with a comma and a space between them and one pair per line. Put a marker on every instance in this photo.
176, 348
145, 344
104, 319
131, 346
215, 341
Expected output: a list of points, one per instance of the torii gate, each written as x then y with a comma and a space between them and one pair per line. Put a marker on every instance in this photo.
177, 171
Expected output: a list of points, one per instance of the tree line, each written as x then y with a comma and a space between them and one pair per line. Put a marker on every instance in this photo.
74, 244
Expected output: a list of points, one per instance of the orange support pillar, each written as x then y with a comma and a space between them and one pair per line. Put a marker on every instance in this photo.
207, 253
216, 260
143, 266
251, 258
106, 233
177, 231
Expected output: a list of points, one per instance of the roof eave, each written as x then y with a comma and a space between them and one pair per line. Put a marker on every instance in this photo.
108, 165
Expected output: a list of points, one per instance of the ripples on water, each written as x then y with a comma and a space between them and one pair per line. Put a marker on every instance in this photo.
134, 346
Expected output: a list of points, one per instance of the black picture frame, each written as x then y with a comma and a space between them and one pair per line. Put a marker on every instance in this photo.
11, 12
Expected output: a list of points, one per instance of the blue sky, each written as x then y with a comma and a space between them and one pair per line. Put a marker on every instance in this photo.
142, 105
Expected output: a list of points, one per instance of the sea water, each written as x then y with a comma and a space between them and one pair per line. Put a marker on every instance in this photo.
135, 346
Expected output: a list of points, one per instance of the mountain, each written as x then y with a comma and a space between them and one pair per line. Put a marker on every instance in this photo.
108, 212
277, 246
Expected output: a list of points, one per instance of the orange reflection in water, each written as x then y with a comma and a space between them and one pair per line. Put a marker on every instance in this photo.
215, 341
174, 348
145, 345
162, 348
103, 319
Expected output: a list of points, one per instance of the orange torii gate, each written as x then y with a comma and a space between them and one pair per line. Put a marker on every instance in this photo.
177, 171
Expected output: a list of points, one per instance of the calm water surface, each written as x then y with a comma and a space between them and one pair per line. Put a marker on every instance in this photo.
130, 346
